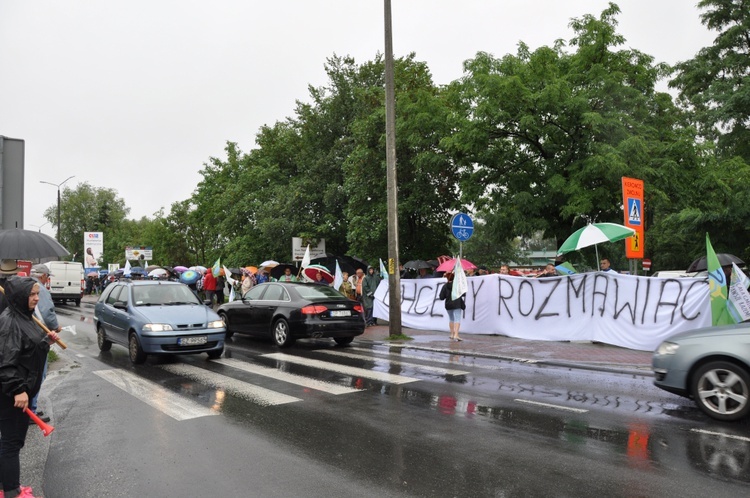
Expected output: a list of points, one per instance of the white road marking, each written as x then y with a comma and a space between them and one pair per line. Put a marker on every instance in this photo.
234, 387
342, 369
548, 405
425, 368
730, 436
170, 403
275, 373
403, 354
447, 351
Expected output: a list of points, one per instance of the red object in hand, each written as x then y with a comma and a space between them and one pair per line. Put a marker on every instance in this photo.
46, 428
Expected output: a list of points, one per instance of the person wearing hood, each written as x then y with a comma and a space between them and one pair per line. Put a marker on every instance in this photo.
23, 351
369, 286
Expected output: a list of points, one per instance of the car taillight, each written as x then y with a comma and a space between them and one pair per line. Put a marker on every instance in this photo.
313, 309
83, 285
358, 308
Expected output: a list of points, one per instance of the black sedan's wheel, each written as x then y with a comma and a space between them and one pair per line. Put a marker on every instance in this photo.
722, 390
225, 319
282, 336
343, 341
101, 340
137, 356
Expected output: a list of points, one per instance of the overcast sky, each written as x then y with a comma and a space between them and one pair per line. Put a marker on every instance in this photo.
138, 95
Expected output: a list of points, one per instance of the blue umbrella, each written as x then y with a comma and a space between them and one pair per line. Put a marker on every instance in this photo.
189, 277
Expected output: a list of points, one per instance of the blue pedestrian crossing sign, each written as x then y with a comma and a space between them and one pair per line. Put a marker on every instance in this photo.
462, 226
635, 214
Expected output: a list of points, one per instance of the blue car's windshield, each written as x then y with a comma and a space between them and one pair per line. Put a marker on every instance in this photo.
163, 295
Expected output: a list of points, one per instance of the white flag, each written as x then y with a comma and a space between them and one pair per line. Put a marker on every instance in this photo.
383, 271
460, 285
306, 258
338, 278
126, 270
738, 302
228, 276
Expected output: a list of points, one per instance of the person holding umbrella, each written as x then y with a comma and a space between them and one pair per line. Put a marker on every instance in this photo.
369, 286
287, 276
23, 351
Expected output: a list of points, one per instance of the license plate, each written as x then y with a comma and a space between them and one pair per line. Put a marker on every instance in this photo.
192, 341
341, 313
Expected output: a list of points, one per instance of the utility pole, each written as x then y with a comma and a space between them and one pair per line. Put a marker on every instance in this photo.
394, 275
58, 185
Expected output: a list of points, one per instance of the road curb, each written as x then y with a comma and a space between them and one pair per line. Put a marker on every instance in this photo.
631, 370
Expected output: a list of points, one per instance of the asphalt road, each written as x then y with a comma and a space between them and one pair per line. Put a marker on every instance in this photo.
368, 420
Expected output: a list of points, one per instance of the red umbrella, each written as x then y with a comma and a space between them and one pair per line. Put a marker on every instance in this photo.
451, 263
312, 270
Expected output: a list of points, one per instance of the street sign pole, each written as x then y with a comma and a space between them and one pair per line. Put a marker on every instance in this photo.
462, 228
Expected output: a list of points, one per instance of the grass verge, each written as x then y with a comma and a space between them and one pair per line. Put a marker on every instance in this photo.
399, 337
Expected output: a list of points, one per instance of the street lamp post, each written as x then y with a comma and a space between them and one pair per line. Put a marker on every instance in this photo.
58, 185
41, 226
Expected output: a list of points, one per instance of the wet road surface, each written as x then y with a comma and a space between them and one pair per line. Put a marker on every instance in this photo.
371, 420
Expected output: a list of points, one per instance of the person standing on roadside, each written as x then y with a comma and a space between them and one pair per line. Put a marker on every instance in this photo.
606, 266
454, 307
23, 351
369, 286
220, 284
209, 285
45, 311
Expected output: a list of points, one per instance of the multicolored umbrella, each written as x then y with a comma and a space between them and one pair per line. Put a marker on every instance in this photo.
593, 234
189, 277
311, 272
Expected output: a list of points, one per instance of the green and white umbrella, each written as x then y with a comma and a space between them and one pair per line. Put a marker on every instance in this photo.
593, 234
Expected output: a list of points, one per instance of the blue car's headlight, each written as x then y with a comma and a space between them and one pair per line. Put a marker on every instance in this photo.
157, 327
667, 348
216, 324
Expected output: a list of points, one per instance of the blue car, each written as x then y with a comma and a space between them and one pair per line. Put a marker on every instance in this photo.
157, 317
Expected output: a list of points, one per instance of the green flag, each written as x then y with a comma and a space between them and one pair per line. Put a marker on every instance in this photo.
717, 288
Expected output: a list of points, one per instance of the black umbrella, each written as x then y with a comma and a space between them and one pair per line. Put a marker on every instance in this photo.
417, 264
16, 243
279, 270
355, 262
724, 260
330, 263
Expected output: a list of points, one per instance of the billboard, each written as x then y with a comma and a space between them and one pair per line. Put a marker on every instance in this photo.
136, 252
299, 245
93, 247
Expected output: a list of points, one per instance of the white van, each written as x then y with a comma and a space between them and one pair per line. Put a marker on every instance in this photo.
66, 281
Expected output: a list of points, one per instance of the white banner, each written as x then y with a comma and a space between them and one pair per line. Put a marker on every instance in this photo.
624, 310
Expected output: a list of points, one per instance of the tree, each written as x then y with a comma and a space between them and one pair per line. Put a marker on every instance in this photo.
715, 84
544, 137
90, 209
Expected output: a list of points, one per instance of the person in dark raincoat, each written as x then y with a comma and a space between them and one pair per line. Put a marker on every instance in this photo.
369, 286
23, 351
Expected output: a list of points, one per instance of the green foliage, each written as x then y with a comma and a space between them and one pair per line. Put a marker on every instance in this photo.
90, 209
533, 144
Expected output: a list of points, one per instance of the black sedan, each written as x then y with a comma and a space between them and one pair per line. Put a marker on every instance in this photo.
286, 311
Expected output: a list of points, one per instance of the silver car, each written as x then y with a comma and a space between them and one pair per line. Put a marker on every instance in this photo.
710, 365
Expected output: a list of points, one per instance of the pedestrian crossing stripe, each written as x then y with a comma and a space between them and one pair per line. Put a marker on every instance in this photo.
168, 402
342, 369
290, 378
424, 368
234, 387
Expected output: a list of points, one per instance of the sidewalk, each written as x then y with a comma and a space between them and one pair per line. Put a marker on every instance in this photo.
575, 354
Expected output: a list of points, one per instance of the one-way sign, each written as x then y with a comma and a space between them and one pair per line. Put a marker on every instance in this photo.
462, 226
